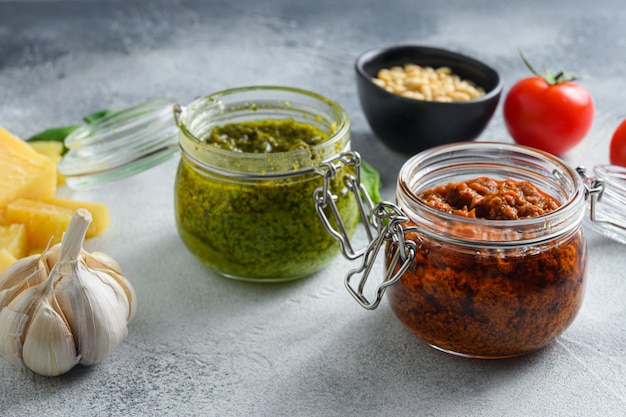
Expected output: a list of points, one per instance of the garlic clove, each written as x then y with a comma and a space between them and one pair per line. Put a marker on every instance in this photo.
97, 296
22, 274
19, 270
14, 319
9, 294
102, 262
49, 347
23, 321
25, 273
12, 325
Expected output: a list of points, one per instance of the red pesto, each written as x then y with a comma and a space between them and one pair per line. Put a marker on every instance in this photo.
486, 198
491, 302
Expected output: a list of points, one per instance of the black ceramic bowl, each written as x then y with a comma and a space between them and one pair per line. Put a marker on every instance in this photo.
409, 125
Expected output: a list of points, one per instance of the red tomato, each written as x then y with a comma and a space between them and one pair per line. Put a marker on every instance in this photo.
618, 145
551, 117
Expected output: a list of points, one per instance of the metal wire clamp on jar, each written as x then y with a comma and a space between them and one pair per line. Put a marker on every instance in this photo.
249, 215
478, 288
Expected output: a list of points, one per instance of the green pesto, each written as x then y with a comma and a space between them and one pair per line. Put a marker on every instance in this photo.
265, 136
265, 230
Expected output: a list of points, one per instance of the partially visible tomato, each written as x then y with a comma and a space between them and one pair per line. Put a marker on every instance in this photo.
617, 151
551, 113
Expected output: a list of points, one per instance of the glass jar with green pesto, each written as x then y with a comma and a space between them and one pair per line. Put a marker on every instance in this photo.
250, 164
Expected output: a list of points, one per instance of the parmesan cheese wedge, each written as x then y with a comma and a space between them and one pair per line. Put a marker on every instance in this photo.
24, 173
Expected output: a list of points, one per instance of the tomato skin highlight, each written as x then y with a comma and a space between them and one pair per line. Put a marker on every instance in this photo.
617, 150
550, 117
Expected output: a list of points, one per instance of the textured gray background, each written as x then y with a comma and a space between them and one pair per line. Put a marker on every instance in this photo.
205, 345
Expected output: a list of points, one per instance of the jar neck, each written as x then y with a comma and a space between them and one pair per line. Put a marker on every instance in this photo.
462, 162
255, 104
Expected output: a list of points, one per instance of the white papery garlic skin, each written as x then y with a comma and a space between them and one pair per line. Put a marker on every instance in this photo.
65, 306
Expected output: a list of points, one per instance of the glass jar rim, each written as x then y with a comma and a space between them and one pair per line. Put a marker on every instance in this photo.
262, 99
493, 155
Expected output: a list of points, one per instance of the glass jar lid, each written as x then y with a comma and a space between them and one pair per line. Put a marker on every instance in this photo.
124, 143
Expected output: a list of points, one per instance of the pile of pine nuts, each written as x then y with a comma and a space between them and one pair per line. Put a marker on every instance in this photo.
427, 83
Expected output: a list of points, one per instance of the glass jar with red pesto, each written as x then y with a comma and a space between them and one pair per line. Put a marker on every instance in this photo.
484, 249
490, 285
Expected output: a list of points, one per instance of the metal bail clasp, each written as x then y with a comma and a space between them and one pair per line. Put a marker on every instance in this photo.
383, 225
594, 188
391, 234
324, 198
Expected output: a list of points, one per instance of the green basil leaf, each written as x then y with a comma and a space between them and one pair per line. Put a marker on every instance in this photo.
370, 178
58, 134
55, 134
94, 117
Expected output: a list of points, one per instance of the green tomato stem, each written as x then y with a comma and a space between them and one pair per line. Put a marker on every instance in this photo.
549, 76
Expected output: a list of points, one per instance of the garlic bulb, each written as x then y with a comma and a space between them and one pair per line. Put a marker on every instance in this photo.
65, 306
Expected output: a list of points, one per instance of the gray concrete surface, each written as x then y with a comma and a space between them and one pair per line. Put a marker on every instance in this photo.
204, 345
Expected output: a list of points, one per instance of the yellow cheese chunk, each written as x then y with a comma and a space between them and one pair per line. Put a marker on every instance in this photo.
24, 173
99, 212
6, 259
45, 221
13, 239
53, 151
48, 148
